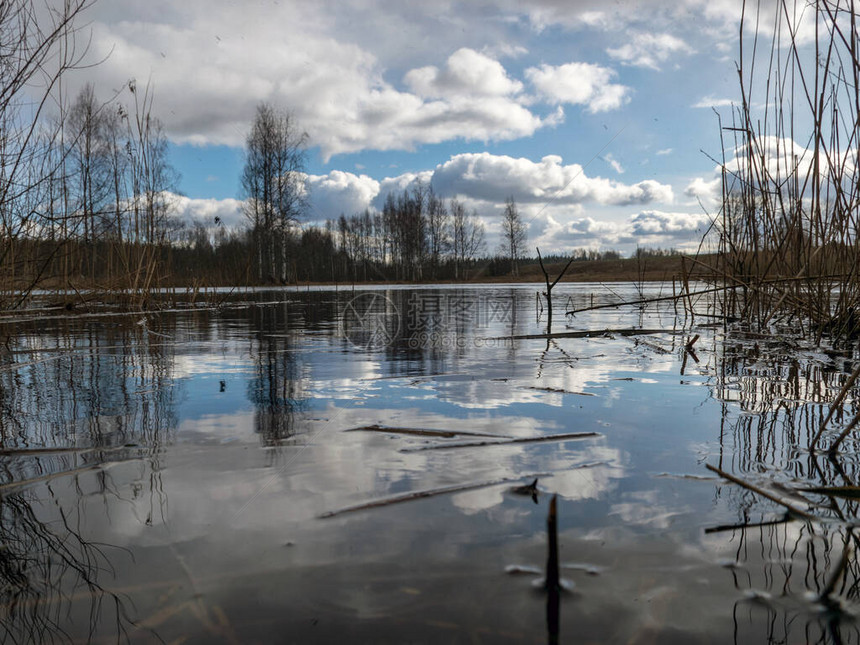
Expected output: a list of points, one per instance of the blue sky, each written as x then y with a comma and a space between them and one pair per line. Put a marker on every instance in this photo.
593, 115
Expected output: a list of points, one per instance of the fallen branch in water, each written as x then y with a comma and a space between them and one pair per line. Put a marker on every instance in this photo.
555, 390
570, 436
552, 582
63, 473
422, 432
446, 490
748, 525
591, 333
552, 577
846, 492
422, 494
760, 491
29, 452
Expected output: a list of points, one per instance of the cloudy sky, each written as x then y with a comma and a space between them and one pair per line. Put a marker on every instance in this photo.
593, 114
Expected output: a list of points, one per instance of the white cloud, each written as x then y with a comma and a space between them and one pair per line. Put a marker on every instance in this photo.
400, 183
376, 74
491, 178
712, 102
657, 225
210, 70
579, 84
467, 73
339, 193
208, 79
614, 164
646, 228
205, 211
709, 192
664, 151
649, 50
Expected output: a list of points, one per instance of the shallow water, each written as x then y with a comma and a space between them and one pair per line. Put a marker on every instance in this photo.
199, 474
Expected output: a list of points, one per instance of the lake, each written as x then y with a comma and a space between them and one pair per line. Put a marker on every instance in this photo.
341, 465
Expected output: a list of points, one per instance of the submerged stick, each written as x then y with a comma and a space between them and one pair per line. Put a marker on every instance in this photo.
552, 576
591, 333
556, 390
846, 492
63, 473
760, 491
422, 432
422, 494
552, 582
748, 525
28, 452
570, 436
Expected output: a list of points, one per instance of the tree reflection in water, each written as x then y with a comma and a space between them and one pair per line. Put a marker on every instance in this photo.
799, 579
73, 405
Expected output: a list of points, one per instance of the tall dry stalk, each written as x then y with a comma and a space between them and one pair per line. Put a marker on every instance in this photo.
788, 228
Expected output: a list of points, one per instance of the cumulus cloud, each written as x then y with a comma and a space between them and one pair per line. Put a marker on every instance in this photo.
209, 78
339, 192
707, 191
546, 191
646, 228
649, 50
579, 84
467, 73
208, 212
488, 177
211, 66
656, 225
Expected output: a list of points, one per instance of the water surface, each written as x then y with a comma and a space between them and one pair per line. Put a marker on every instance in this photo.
194, 474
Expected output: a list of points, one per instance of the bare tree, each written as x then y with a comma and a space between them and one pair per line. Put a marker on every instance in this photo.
89, 158
467, 236
273, 183
513, 235
38, 46
438, 234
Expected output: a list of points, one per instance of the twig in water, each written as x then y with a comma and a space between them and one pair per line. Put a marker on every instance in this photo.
590, 333
552, 577
569, 436
756, 489
552, 582
422, 432
748, 525
421, 494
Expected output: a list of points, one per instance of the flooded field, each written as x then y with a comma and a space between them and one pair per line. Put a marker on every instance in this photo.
349, 466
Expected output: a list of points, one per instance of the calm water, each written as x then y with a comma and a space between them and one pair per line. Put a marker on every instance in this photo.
193, 476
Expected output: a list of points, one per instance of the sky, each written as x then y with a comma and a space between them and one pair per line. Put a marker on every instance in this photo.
596, 116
